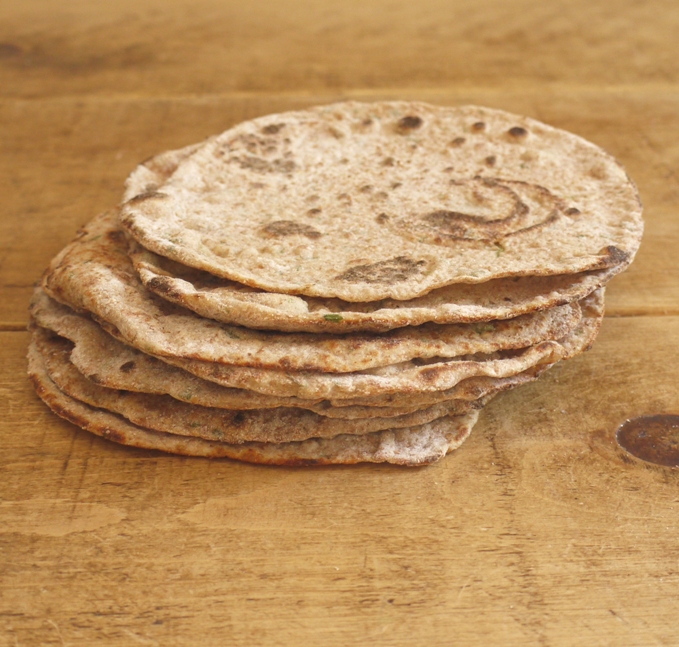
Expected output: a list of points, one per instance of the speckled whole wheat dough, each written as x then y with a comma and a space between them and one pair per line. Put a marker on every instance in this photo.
411, 447
390, 200
163, 413
406, 377
579, 341
230, 302
397, 379
94, 273
108, 362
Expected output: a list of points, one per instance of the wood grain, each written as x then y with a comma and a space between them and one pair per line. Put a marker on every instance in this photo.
539, 529
176, 47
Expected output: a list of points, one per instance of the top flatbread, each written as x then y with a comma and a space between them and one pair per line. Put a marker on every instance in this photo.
390, 200
230, 302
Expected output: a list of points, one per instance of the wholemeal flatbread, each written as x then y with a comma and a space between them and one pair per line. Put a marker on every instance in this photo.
230, 302
407, 379
416, 446
72, 284
579, 341
101, 364
390, 200
342, 284
108, 362
94, 273
163, 413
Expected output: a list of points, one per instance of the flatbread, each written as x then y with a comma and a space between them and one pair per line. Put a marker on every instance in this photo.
390, 200
579, 341
81, 277
230, 302
108, 362
440, 376
412, 447
94, 273
407, 378
235, 303
101, 364
163, 413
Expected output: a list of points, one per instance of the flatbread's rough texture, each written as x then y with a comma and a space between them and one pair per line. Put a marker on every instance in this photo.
398, 379
420, 197
163, 413
349, 283
94, 273
416, 446
90, 275
108, 362
405, 379
231, 302
234, 303
579, 341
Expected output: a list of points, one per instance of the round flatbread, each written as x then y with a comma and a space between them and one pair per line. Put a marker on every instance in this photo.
411, 446
230, 302
94, 273
108, 362
390, 200
163, 413
402, 379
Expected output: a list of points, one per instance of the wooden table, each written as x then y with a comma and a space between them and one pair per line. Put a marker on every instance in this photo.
540, 530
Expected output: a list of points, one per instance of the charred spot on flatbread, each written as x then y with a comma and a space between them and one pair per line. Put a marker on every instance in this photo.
517, 132
117, 237
409, 123
163, 286
394, 270
492, 209
484, 209
281, 228
272, 129
259, 165
457, 225
147, 195
613, 255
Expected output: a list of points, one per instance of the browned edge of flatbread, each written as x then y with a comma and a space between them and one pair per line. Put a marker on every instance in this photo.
408, 447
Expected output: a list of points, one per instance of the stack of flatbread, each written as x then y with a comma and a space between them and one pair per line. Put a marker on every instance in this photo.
349, 283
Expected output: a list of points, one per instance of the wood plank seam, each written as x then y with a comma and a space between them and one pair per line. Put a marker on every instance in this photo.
557, 88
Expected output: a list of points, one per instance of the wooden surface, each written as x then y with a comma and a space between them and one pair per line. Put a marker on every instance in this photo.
540, 530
